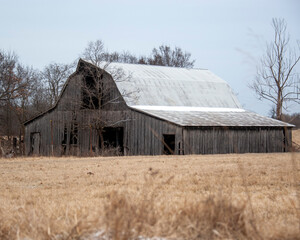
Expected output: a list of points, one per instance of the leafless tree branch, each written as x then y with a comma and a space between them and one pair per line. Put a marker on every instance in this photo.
276, 80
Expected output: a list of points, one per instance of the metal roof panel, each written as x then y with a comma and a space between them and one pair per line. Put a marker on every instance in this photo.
215, 118
169, 86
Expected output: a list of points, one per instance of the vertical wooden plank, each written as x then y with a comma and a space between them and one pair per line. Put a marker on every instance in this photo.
136, 133
148, 140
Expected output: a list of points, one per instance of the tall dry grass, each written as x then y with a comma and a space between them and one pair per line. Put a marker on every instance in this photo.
249, 196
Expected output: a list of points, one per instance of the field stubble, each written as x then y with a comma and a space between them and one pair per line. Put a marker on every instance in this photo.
248, 196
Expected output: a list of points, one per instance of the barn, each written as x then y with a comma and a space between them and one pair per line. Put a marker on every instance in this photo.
150, 110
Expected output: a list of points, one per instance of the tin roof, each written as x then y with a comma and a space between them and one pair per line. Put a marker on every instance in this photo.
214, 117
169, 86
187, 97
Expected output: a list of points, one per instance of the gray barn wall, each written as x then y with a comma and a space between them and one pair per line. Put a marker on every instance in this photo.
52, 124
142, 134
48, 125
218, 140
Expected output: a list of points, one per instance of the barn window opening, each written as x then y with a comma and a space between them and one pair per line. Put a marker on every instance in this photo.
35, 141
102, 93
169, 144
14, 142
91, 93
64, 141
74, 134
113, 138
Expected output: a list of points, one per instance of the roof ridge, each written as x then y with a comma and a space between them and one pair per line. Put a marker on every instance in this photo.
147, 65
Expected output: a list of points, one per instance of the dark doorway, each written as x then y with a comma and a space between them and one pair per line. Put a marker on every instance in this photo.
169, 144
64, 141
113, 138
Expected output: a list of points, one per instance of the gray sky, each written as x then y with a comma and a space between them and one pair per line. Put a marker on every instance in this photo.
226, 37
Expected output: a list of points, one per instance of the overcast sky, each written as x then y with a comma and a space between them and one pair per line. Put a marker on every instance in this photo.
226, 37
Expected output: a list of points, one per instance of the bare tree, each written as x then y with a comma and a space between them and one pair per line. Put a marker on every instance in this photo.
95, 53
16, 91
39, 98
276, 79
165, 56
10, 85
98, 88
21, 106
54, 76
124, 57
162, 56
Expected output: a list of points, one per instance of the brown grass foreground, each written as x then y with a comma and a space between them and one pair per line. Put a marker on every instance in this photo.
296, 138
249, 196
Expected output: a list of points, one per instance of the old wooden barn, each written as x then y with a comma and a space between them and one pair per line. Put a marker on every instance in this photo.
150, 110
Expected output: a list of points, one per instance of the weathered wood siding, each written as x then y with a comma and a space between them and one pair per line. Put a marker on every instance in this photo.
51, 127
68, 111
144, 134
218, 140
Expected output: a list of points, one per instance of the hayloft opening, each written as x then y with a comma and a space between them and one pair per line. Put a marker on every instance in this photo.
92, 93
113, 138
169, 144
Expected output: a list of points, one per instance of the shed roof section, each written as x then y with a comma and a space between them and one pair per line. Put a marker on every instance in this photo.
214, 117
169, 86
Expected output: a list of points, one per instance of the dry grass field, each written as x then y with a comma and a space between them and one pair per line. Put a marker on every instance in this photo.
246, 196
296, 138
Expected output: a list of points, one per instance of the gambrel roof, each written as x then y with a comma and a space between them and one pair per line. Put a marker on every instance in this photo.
176, 87
186, 97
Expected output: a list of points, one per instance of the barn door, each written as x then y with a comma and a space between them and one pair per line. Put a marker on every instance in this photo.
113, 139
168, 144
35, 141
